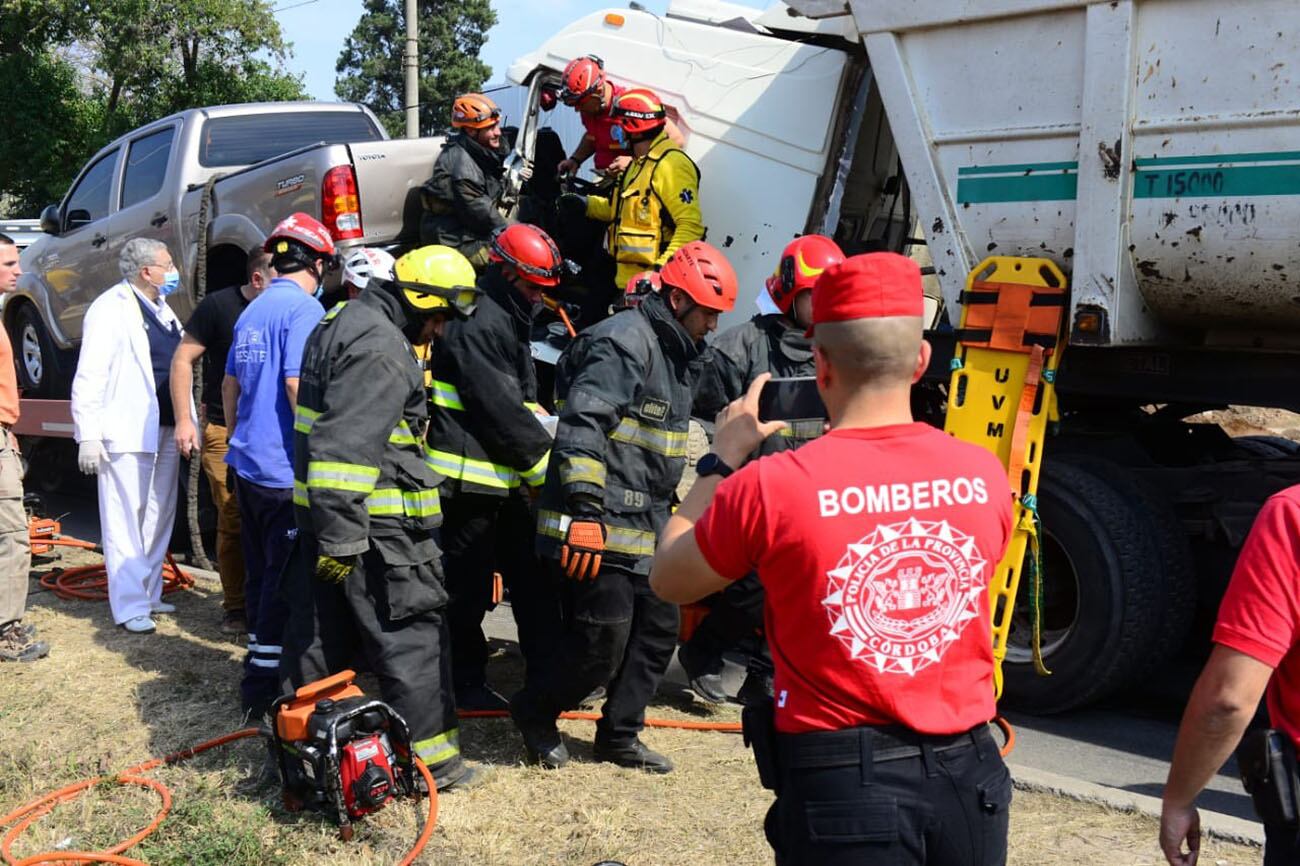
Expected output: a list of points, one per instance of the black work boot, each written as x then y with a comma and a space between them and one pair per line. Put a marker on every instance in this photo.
589, 702
542, 742
479, 696
756, 688
703, 674
471, 777
635, 755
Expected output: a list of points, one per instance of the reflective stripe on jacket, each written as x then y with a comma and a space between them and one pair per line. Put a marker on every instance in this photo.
623, 395
359, 469
654, 209
484, 436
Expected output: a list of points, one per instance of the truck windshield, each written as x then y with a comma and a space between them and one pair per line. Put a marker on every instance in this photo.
245, 139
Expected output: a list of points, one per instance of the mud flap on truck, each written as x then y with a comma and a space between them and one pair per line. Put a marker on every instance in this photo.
1000, 397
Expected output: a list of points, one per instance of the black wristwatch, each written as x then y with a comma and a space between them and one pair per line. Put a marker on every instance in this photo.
712, 464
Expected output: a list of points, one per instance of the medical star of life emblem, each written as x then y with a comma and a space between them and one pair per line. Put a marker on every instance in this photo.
902, 595
686, 196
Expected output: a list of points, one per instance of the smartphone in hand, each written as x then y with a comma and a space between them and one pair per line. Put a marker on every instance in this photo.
793, 399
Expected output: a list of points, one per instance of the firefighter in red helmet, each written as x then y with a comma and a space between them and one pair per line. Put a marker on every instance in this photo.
487, 437
776, 343
655, 208
587, 89
624, 390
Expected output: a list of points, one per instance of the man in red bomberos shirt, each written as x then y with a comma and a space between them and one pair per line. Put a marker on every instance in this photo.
875, 544
592, 95
1257, 650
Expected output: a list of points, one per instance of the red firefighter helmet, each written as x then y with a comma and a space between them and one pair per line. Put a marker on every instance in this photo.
639, 112
474, 111
582, 77
301, 239
531, 251
644, 283
702, 272
802, 262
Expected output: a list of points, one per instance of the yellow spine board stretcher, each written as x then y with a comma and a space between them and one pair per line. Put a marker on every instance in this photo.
1000, 397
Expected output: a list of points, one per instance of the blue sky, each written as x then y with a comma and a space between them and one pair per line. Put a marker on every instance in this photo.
317, 29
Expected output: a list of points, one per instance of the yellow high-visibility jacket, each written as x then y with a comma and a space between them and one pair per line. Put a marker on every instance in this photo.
654, 209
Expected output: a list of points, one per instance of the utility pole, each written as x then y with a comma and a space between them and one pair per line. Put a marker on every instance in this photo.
412, 71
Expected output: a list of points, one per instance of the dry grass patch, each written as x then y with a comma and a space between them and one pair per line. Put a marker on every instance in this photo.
105, 700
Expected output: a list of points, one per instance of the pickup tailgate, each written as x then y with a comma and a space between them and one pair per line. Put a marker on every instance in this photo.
389, 175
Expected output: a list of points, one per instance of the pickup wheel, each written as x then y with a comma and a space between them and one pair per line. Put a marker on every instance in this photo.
1102, 593
37, 359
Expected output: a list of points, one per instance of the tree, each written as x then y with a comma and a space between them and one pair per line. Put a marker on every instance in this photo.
451, 34
75, 74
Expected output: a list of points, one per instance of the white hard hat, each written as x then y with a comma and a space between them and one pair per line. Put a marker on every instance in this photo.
365, 262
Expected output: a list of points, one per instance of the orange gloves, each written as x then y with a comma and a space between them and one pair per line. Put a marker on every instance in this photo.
583, 545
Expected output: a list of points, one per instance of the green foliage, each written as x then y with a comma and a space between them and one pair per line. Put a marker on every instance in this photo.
76, 74
451, 36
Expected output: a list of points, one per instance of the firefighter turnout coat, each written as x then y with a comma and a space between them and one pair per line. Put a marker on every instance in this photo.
654, 209
767, 343
362, 487
623, 394
461, 198
483, 433
360, 476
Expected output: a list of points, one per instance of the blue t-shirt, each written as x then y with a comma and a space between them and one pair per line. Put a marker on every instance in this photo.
267, 349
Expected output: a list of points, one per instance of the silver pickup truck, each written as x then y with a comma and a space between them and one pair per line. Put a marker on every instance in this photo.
331, 160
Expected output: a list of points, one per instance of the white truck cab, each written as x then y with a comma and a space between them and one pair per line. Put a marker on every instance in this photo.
776, 114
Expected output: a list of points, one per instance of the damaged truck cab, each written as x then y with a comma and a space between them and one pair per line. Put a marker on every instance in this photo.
1150, 148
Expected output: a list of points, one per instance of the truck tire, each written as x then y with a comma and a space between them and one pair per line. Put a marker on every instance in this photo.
1177, 603
1268, 447
39, 363
1102, 591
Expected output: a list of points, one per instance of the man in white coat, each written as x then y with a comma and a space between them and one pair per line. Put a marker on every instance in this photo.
122, 414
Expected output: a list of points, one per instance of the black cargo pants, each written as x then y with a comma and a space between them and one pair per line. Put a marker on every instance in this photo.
482, 534
392, 612
874, 796
735, 614
617, 634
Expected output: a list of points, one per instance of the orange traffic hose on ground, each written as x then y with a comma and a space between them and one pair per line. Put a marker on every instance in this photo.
88, 582
32, 812
28, 814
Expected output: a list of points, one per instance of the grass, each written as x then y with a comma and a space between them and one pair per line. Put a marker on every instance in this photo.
105, 700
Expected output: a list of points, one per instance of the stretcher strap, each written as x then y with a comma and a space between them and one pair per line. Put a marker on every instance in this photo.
1011, 316
1020, 433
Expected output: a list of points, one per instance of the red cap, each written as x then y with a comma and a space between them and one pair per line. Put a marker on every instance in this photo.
869, 286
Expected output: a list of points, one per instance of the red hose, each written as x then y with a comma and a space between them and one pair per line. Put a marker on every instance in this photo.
33, 811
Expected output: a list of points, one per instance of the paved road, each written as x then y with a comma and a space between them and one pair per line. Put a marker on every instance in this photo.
1123, 744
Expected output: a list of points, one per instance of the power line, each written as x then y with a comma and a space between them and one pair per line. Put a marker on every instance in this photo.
293, 6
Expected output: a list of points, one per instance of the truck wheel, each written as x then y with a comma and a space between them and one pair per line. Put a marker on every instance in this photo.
1177, 603
34, 352
1269, 447
1101, 595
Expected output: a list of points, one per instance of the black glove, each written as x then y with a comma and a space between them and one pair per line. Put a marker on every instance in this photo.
572, 204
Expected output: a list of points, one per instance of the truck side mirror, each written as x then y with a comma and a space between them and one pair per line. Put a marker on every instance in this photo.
50, 219
78, 218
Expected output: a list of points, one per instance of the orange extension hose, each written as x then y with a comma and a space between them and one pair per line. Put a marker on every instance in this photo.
32, 812
88, 582
28, 814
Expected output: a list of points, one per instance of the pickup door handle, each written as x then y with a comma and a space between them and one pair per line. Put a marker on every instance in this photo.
158, 220
99, 241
